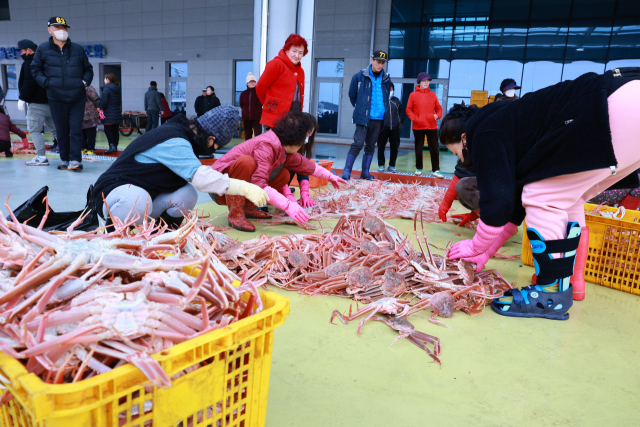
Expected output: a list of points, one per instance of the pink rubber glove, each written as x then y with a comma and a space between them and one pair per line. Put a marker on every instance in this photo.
286, 192
25, 143
485, 236
480, 260
305, 200
292, 209
322, 173
102, 115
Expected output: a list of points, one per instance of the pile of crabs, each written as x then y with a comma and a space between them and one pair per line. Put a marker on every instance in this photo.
367, 260
77, 304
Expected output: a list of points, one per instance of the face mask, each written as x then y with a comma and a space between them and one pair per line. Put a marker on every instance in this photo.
510, 93
390, 93
61, 35
24, 57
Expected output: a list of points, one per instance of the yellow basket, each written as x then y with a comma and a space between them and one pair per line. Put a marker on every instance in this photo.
613, 259
231, 390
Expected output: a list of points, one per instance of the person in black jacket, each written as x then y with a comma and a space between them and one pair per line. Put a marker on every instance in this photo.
251, 109
34, 99
545, 156
209, 101
393, 119
111, 108
198, 103
62, 67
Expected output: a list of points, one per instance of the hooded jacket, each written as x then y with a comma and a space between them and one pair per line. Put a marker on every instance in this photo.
61, 72
277, 87
111, 103
6, 127
421, 107
269, 155
360, 93
30, 90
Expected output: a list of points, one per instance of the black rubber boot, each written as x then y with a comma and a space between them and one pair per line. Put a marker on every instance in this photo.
112, 149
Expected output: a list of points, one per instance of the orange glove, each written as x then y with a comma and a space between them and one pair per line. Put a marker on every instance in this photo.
449, 197
25, 143
471, 216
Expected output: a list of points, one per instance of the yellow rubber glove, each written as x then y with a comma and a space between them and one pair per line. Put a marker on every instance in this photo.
252, 192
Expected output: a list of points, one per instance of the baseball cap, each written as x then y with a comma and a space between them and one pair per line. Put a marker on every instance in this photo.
380, 55
57, 21
508, 84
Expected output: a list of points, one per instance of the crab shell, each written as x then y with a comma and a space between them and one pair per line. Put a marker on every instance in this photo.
298, 259
370, 248
336, 269
443, 304
360, 276
393, 283
373, 225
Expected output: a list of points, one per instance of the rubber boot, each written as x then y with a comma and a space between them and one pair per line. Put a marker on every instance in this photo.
366, 164
237, 218
112, 149
346, 173
251, 211
173, 222
577, 280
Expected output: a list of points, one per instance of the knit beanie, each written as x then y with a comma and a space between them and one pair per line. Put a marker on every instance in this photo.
221, 122
250, 77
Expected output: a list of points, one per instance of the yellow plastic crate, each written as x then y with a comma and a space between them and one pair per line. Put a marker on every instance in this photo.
230, 391
614, 244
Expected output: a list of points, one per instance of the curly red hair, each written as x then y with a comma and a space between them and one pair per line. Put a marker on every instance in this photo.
295, 40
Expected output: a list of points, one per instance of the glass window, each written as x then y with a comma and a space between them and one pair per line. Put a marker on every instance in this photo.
438, 69
574, 69
333, 68
395, 68
10, 83
406, 11
497, 71
470, 42
592, 8
4, 10
547, 40
178, 69
466, 75
625, 39
438, 10
473, 10
242, 69
622, 63
328, 107
507, 40
510, 10
402, 91
550, 9
628, 7
588, 39
404, 42
436, 42
540, 74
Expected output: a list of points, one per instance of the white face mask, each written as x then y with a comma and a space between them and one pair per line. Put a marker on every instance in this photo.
390, 93
61, 35
510, 93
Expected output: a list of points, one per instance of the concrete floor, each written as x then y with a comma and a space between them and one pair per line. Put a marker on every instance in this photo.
496, 371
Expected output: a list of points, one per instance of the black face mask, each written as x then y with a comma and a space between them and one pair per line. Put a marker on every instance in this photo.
24, 56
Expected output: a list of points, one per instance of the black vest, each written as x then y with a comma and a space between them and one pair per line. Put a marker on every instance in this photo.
154, 178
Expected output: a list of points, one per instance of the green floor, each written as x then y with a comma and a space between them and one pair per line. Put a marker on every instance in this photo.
496, 371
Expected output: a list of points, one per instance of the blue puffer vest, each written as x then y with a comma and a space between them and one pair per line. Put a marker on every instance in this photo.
377, 103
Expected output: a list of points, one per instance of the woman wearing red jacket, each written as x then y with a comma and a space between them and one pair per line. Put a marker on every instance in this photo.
423, 108
281, 85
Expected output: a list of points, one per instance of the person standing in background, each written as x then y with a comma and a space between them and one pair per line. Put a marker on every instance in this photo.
508, 90
111, 109
197, 105
209, 101
369, 94
251, 109
91, 121
166, 111
281, 85
62, 67
393, 119
153, 106
34, 99
423, 108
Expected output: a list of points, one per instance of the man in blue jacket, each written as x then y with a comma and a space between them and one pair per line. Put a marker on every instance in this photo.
369, 94
62, 67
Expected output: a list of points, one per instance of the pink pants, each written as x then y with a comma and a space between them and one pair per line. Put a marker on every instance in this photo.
553, 202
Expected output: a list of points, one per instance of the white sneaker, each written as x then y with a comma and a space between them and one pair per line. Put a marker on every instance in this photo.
381, 168
418, 172
437, 174
38, 161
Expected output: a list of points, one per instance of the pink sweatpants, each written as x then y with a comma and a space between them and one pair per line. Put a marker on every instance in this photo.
553, 202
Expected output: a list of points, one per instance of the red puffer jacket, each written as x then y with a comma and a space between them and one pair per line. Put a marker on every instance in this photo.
421, 107
6, 127
277, 87
269, 154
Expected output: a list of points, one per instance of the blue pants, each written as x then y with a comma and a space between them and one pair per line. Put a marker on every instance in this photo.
68, 118
367, 136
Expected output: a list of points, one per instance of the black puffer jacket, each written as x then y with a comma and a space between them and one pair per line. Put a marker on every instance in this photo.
111, 104
394, 116
62, 72
209, 102
30, 91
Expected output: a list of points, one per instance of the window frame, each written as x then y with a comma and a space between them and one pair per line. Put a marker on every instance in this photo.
235, 76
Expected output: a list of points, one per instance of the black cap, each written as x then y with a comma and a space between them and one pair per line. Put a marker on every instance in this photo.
508, 84
380, 55
57, 21
27, 44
